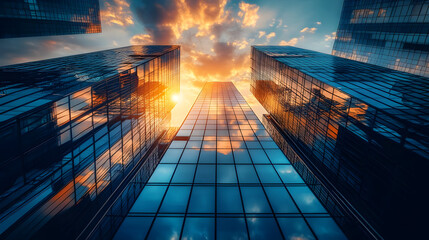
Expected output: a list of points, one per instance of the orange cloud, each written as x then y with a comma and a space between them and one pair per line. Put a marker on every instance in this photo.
141, 39
271, 35
291, 42
330, 37
261, 34
117, 13
309, 30
249, 14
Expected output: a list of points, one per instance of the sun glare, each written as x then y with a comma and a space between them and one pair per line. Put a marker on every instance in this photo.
175, 97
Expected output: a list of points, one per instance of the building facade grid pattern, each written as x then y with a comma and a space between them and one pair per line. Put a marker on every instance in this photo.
223, 177
357, 122
387, 33
63, 157
27, 18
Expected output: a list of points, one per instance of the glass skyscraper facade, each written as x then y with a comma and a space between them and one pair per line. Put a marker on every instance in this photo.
74, 131
27, 18
360, 129
223, 177
388, 33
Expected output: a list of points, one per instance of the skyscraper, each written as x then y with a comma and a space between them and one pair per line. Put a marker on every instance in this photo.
223, 177
74, 131
388, 33
358, 130
28, 18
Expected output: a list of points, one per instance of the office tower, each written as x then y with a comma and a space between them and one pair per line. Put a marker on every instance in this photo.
73, 132
360, 129
223, 177
29, 18
388, 33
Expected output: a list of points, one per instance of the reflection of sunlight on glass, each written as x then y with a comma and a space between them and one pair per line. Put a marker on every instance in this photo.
175, 97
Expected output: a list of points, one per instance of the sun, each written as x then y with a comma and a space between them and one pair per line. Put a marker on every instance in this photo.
175, 97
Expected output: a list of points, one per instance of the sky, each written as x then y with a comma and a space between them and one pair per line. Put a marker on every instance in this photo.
215, 37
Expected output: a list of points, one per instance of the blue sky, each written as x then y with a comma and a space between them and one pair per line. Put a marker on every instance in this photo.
215, 36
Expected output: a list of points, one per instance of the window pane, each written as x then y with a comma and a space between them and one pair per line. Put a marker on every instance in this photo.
263, 228
198, 228
202, 200
258, 156
162, 173
276, 156
134, 228
166, 228
184, 173
280, 200
247, 174
229, 200
295, 228
241, 156
306, 201
149, 199
190, 156
205, 174
176, 199
267, 174
207, 156
254, 200
231, 228
288, 174
326, 228
171, 156
226, 174
224, 156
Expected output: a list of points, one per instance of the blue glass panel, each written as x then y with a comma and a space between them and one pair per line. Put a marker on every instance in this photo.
263, 228
267, 174
171, 156
190, 156
205, 174
288, 174
226, 174
241, 156
134, 228
166, 228
199, 228
295, 228
224, 156
269, 144
306, 201
247, 174
231, 228
194, 144
280, 200
326, 228
258, 156
176, 199
276, 156
202, 200
149, 199
207, 156
184, 173
177, 144
162, 173
229, 200
254, 200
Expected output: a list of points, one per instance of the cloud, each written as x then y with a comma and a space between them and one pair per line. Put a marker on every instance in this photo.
291, 42
318, 23
271, 35
166, 20
309, 30
261, 34
240, 44
330, 37
117, 13
141, 39
249, 14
